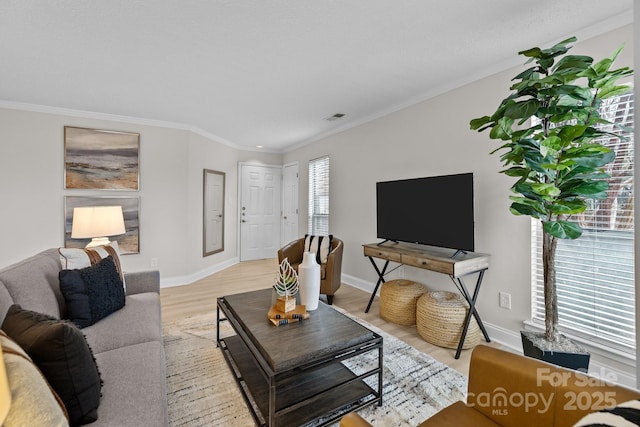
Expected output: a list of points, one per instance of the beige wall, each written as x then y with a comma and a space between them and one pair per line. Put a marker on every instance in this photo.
433, 138
171, 164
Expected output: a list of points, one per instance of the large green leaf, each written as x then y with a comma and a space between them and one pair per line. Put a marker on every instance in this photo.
502, 129
612, 90
545, 190
562, 229
584, 188
593, 160
479, 122
516, 171
567, 207
522, 109
520, 209
570, 132
573, 63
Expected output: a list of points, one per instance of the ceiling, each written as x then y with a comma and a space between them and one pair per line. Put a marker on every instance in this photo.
268, 73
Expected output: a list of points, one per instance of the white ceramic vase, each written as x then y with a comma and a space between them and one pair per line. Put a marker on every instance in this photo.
309, 279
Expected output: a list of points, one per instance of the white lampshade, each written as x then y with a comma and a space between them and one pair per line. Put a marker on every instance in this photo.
5, 392
97, 222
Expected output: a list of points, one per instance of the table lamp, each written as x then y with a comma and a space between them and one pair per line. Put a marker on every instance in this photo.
5, 392
97, 223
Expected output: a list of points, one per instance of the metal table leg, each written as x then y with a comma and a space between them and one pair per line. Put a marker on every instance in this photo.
471, 300
380, 280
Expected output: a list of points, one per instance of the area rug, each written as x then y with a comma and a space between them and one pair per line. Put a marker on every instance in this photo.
202, 391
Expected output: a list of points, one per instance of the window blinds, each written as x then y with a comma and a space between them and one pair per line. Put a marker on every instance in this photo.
595, 273
318, 221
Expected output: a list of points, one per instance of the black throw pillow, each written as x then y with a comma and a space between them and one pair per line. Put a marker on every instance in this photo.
92, 293
60, 351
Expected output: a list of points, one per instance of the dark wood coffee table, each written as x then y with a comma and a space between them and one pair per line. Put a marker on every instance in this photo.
294, 374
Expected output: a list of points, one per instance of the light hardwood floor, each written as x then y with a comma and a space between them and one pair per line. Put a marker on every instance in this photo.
200, 297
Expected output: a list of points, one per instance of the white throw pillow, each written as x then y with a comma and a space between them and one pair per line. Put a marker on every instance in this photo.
75, 259
319, 245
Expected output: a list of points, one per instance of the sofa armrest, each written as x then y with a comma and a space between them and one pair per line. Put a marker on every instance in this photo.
142, 281
352, 419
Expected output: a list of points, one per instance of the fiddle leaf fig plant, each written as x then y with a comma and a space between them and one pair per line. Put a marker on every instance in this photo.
550, 124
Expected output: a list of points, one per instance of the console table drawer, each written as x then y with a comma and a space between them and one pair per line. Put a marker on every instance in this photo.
382, 253
429, 264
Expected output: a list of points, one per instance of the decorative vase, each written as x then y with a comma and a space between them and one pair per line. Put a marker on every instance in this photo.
309, 279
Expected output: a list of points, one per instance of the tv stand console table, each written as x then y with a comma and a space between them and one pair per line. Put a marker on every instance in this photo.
434, 259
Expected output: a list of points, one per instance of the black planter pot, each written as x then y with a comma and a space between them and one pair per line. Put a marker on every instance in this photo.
578, 360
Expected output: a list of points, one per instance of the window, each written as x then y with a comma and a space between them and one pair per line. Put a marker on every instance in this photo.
319, 196
595, 273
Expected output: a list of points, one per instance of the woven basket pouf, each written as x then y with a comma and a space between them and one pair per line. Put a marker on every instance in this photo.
398, 300
439, 319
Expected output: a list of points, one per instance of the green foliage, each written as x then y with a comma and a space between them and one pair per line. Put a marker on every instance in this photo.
557, 164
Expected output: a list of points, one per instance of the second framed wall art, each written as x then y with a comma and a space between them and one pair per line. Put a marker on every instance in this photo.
128, 243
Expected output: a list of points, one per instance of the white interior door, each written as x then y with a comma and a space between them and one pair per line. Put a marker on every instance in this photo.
260, 211
290, 203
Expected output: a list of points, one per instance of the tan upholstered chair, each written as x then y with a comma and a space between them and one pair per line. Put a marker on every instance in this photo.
330, 272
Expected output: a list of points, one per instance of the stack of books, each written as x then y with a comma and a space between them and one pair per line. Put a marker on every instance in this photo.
279, 318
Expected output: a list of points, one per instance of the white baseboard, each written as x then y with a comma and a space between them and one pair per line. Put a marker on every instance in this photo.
186, 280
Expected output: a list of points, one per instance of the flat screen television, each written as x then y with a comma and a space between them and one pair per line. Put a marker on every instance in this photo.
434, 211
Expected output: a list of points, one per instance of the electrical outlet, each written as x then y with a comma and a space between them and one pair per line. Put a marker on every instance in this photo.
154, 262
505, 300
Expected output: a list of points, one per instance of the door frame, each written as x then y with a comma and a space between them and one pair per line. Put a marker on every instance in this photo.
239, 203
282, 231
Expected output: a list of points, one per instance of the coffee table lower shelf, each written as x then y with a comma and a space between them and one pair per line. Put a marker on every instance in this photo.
331, 387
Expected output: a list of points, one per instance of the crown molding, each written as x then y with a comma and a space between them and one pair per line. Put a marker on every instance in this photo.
61, 111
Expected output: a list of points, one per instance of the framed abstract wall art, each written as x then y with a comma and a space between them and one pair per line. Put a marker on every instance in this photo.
128, 243
101, 159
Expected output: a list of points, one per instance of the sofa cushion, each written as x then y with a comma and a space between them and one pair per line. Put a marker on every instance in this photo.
136, 370
138, 321
319, 245
624, 415
33, 402
63, 356
33, 283
92, 293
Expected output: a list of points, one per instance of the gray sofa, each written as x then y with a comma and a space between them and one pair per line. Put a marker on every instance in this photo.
127, 344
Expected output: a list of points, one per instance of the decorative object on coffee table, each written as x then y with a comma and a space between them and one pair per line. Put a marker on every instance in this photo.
286, 286
309, 278
398, 299
549, 129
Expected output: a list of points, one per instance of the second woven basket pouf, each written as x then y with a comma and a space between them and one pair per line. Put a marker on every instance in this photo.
439, 319
398, 300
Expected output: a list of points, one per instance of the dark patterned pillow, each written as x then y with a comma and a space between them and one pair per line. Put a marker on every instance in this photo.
319, 245
62, 354
92, 293
626, 414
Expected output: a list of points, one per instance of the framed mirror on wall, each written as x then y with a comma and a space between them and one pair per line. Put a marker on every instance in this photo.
213, 212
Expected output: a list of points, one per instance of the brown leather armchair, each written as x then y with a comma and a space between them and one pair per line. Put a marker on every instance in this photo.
507, 389
330, 273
